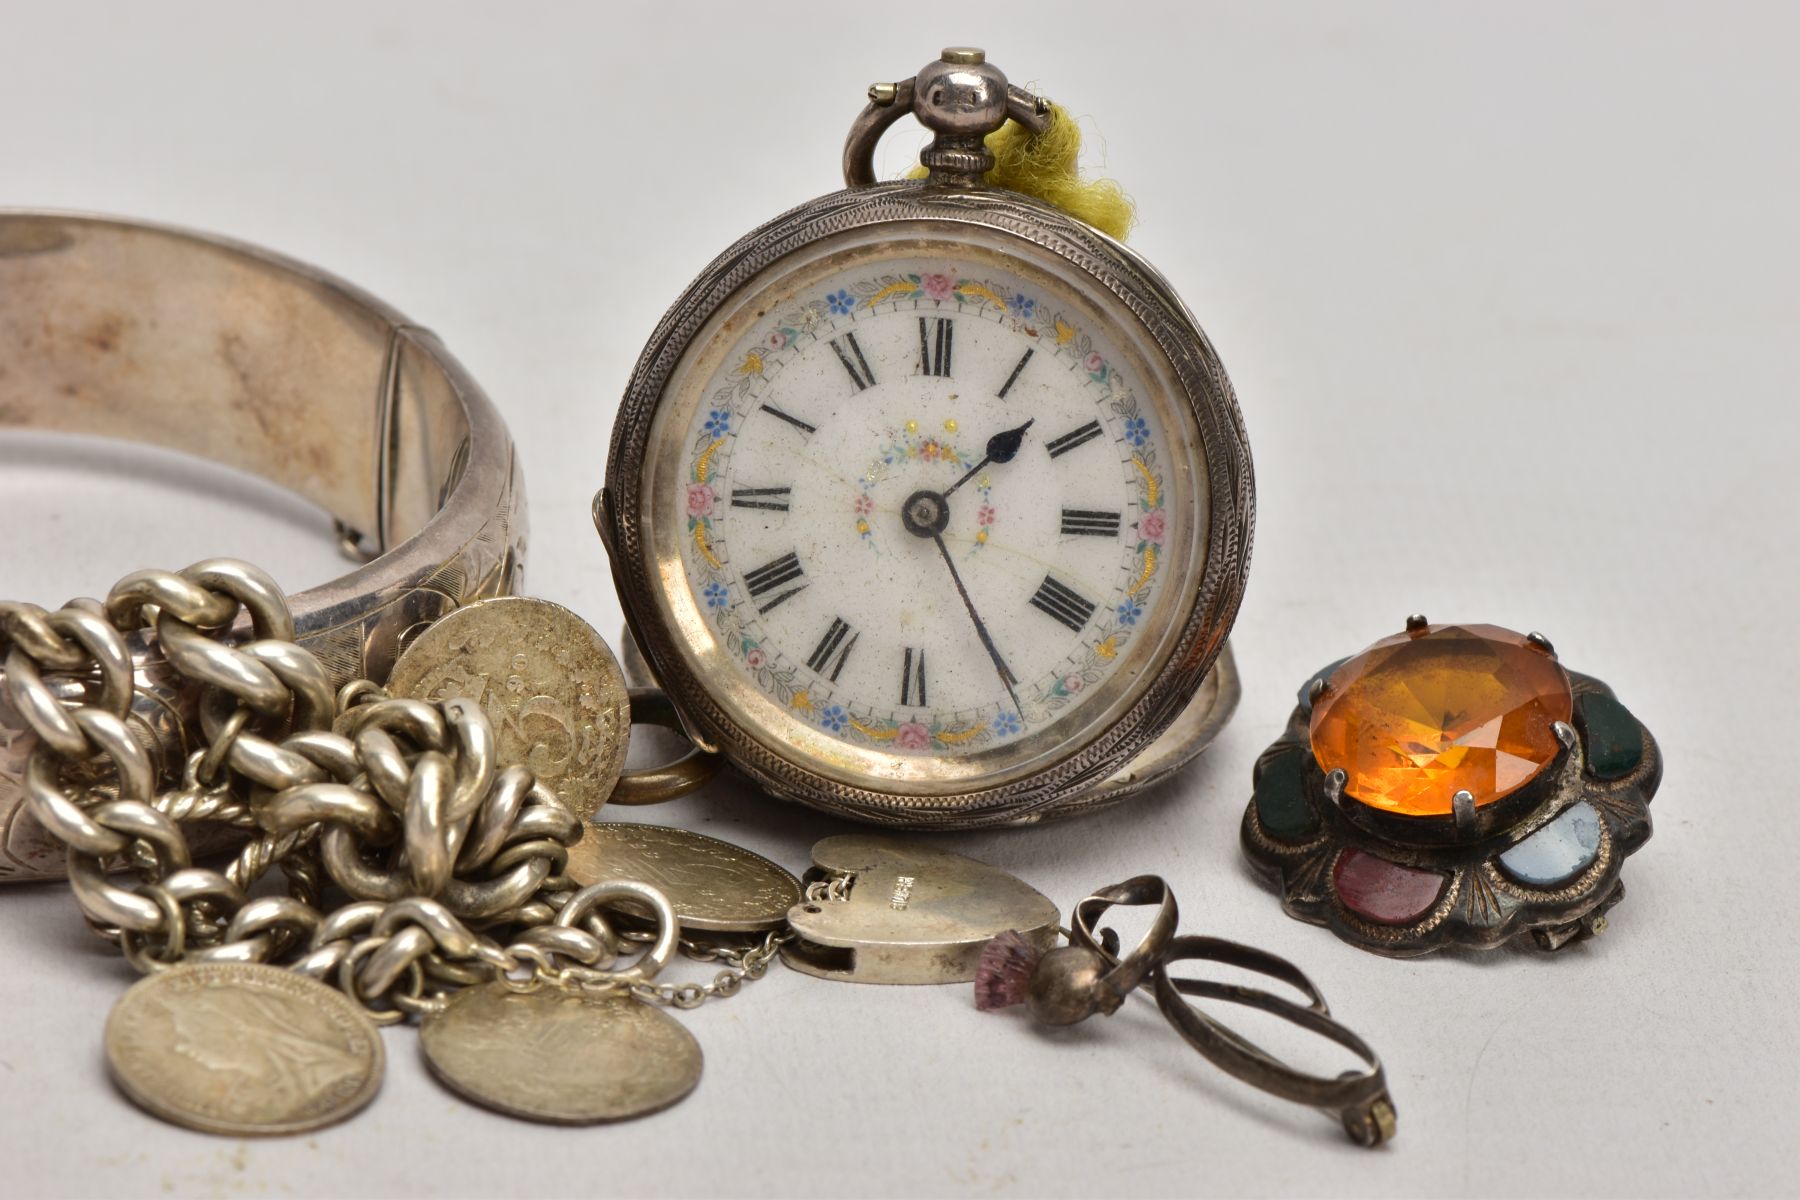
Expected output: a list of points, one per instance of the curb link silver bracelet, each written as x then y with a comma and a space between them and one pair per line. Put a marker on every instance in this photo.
400, 803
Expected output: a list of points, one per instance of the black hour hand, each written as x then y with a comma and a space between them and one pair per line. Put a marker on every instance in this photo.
1003, 447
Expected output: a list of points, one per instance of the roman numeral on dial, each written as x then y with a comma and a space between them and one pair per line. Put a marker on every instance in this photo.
796, 422
912, 679
833, 649
935, 341
1014, 377
1063, 603
775, 499
770, 580
851, 355
1072, 439
1082, 522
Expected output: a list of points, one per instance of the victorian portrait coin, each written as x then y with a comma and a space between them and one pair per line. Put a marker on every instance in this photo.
716, 887
548, 683
561, 1059
242, 1049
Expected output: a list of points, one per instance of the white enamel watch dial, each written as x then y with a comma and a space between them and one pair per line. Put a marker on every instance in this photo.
924, 512
1017, 578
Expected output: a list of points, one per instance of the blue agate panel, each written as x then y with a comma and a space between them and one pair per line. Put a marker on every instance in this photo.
1559, 851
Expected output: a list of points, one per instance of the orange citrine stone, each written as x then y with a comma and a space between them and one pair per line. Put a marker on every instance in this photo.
1418, 717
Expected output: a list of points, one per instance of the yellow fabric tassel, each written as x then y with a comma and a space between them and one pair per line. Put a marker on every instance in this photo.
1047, 166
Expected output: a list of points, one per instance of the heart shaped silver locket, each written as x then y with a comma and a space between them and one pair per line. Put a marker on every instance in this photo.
880, 910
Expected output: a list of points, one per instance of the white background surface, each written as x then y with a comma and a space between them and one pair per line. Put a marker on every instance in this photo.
1509, 297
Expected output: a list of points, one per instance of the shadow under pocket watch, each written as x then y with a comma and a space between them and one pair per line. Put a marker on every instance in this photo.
929, 503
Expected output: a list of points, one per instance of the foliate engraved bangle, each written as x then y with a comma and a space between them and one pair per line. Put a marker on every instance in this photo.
232, 353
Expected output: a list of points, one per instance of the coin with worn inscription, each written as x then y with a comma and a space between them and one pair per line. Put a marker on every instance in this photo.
242, 1049
716, 887
561, 1059
547, 682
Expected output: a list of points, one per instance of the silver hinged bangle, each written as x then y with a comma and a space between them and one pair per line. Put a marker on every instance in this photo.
229, 352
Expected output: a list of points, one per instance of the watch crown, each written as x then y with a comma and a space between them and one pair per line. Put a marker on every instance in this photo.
961, 97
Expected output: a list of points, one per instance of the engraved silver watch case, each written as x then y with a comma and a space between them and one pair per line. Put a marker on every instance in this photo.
1188, 689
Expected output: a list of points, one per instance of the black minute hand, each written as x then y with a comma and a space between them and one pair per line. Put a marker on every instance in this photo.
1006, 675
1001, 448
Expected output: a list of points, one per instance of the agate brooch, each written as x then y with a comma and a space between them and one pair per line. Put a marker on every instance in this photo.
1453, 785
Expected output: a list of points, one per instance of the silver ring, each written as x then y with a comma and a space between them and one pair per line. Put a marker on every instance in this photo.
230, 352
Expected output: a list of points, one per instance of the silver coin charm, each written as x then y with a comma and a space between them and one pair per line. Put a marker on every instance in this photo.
714, 886
547, 682
242, 1049
560, 1059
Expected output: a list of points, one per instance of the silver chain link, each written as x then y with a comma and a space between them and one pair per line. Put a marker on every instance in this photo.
399, 803
832, 889
743, 964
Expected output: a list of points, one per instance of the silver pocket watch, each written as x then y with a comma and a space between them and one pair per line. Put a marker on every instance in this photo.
929, 503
